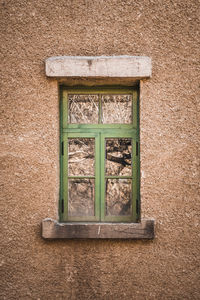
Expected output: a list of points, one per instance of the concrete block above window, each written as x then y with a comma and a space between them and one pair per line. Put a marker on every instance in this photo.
115, 69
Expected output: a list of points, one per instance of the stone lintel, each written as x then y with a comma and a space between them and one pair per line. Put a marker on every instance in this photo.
52, 229
103, 67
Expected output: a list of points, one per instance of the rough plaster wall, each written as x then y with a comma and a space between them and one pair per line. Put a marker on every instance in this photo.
166, 268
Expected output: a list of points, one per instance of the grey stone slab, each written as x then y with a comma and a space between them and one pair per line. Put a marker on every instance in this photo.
52, 229
130, 67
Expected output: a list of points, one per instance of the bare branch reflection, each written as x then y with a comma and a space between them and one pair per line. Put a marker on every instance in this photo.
81, 156
118, 197
118, 157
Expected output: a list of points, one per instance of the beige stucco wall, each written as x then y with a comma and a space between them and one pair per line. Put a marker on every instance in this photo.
165, 268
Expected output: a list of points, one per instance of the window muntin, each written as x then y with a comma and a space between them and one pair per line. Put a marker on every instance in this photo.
99, 179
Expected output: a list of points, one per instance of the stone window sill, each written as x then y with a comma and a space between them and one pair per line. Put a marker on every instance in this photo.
51, 229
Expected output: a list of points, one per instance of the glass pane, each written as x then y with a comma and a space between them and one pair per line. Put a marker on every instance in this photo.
118, 197
81, 156
81, 197
117, 109
83, 109
118, 157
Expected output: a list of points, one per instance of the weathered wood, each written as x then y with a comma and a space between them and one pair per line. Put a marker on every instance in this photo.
98, 81
51, 229
99, 66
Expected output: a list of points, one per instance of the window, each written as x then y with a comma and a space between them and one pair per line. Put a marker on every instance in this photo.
99, 155
99, 187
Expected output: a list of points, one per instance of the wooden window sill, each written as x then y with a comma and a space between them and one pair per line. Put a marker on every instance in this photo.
51, 229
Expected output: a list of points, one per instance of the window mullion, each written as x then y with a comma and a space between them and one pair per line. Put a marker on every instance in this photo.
64, 200
134, 180
97, 178
102, 178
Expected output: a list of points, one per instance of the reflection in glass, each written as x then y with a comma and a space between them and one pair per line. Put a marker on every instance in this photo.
116, 109
118, 197
118, 157
83, 109
81, 197
81, 156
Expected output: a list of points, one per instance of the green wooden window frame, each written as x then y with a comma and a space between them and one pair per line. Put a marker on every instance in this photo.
99, 132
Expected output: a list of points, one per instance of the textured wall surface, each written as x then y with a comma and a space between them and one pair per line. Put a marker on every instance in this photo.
167, 267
